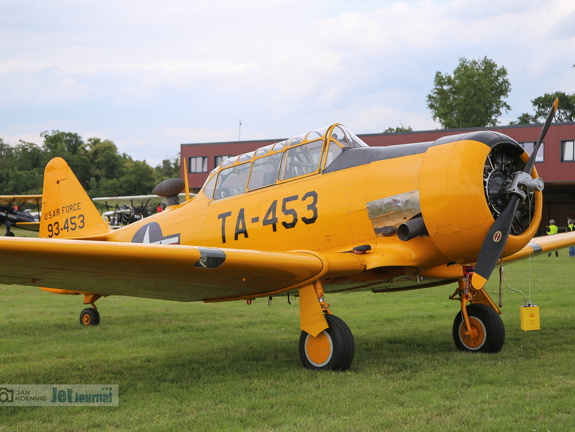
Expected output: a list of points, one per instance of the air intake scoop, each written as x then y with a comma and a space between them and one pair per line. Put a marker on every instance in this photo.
169, 189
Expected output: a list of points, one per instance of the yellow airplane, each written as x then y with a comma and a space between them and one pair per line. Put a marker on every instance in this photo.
318, 213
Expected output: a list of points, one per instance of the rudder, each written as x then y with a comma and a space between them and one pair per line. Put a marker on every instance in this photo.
67, 210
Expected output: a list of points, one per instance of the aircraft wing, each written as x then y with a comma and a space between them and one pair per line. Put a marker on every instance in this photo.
191, 273
543, 244
536, 246
151, 200
28, 199
169, 272
20, 218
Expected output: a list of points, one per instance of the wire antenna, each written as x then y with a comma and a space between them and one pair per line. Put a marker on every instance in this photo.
502, 280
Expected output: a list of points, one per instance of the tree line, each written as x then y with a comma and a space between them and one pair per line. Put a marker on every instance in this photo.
100, 168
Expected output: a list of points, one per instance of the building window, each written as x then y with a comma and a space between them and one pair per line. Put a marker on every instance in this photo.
218, 159
198, 164
568, 151
530, 145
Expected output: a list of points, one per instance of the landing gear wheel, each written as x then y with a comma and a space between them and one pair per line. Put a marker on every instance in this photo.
89, 317
332, 349
487, 330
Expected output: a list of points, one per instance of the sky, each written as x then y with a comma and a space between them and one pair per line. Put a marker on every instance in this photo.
151, 75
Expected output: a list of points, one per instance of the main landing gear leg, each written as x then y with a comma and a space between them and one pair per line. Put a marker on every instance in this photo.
8, 232
326, 341
478, 327
90, 316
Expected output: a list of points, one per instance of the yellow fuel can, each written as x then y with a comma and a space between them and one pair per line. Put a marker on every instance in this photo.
530, 317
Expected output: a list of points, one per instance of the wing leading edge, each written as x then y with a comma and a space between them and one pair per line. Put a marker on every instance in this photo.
543, 244
180, 273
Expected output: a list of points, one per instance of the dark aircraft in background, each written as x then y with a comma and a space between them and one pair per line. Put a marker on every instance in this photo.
22, 211
124, 210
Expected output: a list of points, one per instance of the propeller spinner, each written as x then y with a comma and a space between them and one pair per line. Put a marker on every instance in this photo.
523, 184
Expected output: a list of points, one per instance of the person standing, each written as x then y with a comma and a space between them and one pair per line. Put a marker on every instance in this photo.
571, 227
552, 229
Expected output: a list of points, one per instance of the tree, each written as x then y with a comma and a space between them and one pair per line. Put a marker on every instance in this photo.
542, 104
472, 97
6, 163
97, 164
70, 147
106, 162
398, 129
26, 170
169, 168
25, 182
62, 143
139, 178
28, 156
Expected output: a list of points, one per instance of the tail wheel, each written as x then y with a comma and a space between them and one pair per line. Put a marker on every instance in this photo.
332, 349
487, 330
89, 317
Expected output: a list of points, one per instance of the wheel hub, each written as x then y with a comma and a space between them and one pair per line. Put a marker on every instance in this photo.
474, 339
319, 349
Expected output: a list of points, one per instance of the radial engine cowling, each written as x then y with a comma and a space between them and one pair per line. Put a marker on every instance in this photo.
463, 185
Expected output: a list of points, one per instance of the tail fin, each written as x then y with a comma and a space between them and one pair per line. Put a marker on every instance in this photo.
67, 211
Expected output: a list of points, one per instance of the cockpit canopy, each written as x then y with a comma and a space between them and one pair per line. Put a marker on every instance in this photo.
298, 156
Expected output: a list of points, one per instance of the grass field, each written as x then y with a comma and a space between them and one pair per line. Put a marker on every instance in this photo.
18, 232
212, 367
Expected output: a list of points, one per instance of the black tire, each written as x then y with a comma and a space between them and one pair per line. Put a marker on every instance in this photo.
89, 317
488, 328
332, 349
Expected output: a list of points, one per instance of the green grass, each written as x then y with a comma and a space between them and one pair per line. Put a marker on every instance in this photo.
211, 367
18, 232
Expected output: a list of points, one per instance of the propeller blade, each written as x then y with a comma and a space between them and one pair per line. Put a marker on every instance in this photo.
531, 161
494, 243
498, 234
